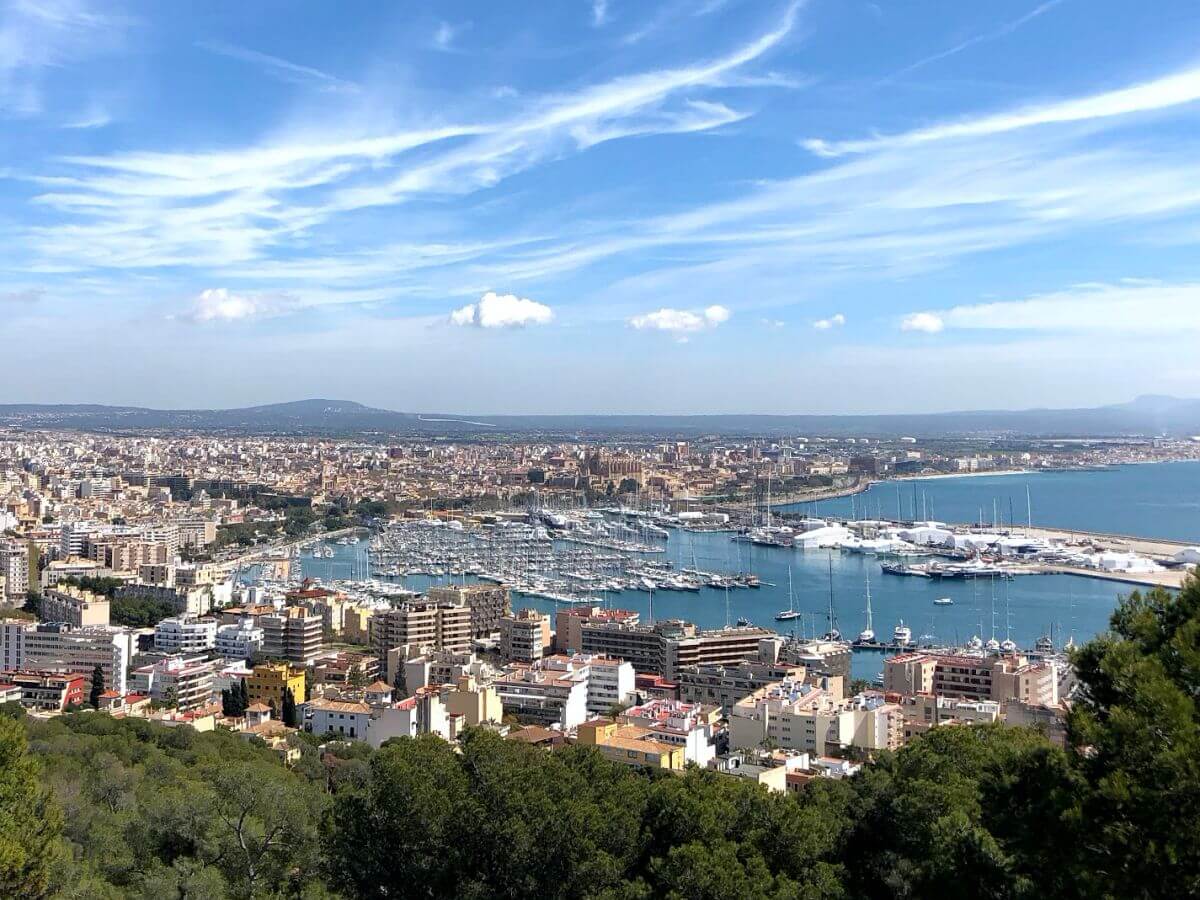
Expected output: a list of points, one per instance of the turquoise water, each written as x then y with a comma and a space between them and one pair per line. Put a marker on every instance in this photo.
1072, 605
1160, 500
1154, 500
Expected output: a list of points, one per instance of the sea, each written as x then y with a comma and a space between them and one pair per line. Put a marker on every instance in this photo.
1159, 500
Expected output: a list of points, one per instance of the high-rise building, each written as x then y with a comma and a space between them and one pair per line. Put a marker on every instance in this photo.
14, 569
488, 604
525, 636
58, 647
437, 625
185, 635
293, 634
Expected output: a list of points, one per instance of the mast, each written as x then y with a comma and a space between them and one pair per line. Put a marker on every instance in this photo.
870, 625
833, 632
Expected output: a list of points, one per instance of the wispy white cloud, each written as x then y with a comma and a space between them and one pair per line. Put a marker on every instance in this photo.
1124, 308
995, 34
1161, 93
96, 115
446, 33
925, 322
281, 69
502, 311
230, 207
835, 321
599, 13
36, 36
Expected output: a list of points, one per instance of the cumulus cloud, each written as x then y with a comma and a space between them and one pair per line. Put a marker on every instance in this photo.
834, 321
681, 320
221, 305
930, 323
502, 311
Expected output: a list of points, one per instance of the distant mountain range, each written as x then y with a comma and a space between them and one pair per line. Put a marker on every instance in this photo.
1148, 415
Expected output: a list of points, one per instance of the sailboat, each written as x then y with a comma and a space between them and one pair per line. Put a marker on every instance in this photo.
791, 612
833, 634
867, 635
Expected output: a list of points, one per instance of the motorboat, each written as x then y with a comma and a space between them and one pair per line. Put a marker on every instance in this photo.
944, 601
902, 635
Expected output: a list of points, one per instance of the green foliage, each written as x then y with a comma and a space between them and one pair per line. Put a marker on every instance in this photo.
97, 585
139, 612
960, 812
1139, 717
236, 699
97, 687
30, 822
291, 716
166, 812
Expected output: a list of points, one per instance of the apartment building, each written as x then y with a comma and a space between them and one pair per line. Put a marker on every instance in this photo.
814, 719
58, 647
294, 634
239, 640
189, 681
723, 685
525, 636
533, 694
692, 726
185, 635
489, 603
569, 622
440, 626
268, 682
1003, 678
666, 647
14, 570
631, 745
48, 691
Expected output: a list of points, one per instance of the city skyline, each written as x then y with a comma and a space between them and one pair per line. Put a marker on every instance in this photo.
801, 207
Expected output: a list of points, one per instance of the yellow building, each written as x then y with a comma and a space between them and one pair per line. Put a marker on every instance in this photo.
476, 703
630, 745
268, 681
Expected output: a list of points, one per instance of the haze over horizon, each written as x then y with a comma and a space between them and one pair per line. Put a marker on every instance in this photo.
681, 208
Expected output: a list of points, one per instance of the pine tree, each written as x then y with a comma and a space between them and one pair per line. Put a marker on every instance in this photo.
290, 717
97, 686
30, 822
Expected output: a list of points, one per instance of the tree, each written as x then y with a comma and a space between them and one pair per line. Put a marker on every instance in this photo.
267, 824
97, 686
30, 822
1137, 714
290, 716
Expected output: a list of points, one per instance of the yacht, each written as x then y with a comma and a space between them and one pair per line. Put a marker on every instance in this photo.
944, 601
992, 645
1008, 645
1044, 644
902, 635
791, 612
975, 643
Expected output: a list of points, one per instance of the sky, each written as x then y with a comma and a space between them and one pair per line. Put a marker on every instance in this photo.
600, 206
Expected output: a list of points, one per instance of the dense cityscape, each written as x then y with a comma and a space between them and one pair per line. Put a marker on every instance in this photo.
599, 450
184, 581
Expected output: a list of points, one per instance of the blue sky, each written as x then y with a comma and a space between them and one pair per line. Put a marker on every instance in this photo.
721, 206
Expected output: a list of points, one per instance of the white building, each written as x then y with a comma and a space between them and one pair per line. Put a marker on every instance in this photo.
239, 640
189, 681
185, 635
57, 647
554, 695
611, 682
688, 725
